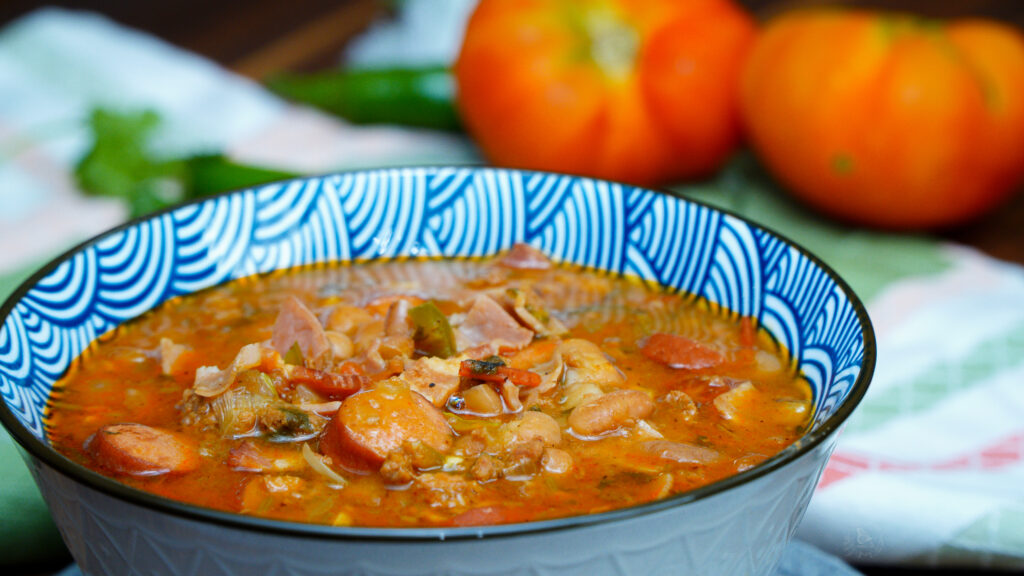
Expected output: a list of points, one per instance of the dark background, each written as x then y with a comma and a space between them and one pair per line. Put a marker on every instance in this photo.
257, 38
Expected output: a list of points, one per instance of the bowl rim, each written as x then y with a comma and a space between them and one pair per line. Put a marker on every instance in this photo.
108, 486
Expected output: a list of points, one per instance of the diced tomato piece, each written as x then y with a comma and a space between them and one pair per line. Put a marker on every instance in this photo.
485, 516
350, 368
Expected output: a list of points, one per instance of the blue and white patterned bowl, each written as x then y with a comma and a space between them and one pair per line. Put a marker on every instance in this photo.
736, 526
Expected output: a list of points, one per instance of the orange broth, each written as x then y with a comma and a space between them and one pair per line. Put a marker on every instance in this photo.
656, 427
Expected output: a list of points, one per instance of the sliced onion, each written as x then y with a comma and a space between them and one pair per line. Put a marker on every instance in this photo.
318, 464
322, 408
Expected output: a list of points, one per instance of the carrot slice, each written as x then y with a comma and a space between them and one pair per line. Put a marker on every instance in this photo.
680, 352
538, 352
748, 333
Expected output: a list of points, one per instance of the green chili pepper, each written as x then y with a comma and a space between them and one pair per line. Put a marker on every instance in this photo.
433, 335
214, 173
420, 97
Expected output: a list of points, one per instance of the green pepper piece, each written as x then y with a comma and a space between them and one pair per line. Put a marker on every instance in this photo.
420, 97
433, 335
294, 356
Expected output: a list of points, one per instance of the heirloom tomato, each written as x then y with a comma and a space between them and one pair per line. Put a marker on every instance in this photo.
636, 91
888, 120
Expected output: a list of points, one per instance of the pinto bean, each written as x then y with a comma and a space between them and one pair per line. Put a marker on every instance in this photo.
373, 423
556, 461
534, 425
608, 412
142, 450
680, 452
587, 363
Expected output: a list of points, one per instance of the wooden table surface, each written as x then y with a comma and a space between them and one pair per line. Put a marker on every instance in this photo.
261, 37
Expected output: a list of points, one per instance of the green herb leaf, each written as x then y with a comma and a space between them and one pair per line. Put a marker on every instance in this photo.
120, 164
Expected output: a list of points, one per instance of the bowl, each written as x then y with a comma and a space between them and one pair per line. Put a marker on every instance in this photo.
739, 525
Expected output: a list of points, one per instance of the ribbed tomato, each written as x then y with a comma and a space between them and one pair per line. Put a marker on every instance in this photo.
636, 91
888, 120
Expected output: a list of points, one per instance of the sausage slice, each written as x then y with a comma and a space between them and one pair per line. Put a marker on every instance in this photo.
373, 423
142, 450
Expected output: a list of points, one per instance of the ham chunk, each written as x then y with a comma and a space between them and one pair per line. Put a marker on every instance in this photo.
524, 257
488, 324
436, 379
297, 325
211, 381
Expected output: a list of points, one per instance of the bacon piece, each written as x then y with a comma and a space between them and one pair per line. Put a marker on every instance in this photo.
435, 378
487, 323
297, 325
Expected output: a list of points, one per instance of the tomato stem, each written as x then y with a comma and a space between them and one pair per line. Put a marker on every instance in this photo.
613, 43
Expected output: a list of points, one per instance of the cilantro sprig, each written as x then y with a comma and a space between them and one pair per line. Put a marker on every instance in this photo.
121, 164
